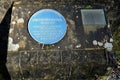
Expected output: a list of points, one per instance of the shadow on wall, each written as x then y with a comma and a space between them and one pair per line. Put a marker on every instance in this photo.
4, 33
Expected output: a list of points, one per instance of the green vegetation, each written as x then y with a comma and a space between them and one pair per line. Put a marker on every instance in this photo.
116, 37
87, 7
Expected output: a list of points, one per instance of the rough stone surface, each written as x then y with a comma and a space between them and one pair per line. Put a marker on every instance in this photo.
73, 58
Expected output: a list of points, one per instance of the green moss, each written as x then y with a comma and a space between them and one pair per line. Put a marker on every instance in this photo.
105, 77
118, 54
116, 37
87, 7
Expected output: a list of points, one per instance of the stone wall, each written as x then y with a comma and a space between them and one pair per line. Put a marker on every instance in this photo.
63, 60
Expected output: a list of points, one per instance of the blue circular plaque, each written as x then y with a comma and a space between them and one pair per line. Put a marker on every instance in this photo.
47, 26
